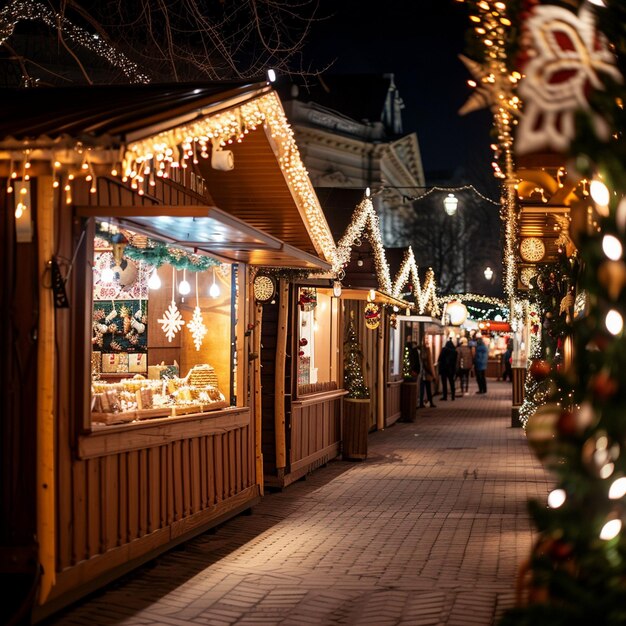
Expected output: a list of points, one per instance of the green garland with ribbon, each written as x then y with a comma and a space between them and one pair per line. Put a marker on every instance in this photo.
157, 253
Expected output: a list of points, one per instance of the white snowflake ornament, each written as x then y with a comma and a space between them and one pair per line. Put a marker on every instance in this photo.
172, 321
197, 327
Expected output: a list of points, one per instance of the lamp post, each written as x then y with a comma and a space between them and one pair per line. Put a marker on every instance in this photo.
450, 203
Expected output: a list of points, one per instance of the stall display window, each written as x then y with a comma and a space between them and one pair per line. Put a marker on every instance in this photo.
396, 352
162, 326
317, 340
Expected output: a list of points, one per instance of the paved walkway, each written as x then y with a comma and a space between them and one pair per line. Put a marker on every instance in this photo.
429, 530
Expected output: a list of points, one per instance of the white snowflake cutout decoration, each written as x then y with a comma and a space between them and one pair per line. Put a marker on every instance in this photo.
172, 321
569, 56
197, 327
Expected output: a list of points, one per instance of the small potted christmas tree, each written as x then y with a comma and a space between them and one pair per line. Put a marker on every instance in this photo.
356, 402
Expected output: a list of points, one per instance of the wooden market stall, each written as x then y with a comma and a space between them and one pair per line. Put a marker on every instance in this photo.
132, 410
301, 384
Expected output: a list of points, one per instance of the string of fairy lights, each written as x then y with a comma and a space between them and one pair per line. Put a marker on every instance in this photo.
431, 190
158, 156
426, 296
491, 24
31, 10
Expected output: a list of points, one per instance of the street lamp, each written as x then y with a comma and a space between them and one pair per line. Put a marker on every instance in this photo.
488, 273
450, 203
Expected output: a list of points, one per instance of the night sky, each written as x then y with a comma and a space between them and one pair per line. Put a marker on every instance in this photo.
422, 53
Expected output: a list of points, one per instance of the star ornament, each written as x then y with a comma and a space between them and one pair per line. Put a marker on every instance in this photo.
172, 321
197, 327
482, 96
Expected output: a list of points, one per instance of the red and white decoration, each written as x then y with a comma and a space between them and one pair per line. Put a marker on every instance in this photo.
567, 58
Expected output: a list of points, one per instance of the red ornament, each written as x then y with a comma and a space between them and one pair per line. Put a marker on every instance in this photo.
561, 550
303, 341
603, 386
540, 369
301, 353
566, 425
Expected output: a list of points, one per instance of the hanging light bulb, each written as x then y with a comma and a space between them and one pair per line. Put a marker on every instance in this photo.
214, 289
183, 286
154, 282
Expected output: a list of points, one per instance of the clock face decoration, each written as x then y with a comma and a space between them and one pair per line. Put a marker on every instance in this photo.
527, 274
264, 288
532, 249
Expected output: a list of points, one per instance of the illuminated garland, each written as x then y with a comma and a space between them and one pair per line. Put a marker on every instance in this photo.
426, 297
491, 25
20, 10
449, 189
157, 155
365, 220
472, 297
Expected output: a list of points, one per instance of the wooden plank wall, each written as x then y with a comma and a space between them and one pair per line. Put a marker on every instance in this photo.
315, 432
114, 499
392, 401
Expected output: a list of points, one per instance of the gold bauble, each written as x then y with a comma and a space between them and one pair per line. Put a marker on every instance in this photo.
612, 276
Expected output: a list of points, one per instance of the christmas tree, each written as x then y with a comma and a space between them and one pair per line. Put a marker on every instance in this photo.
577, 568
352, 365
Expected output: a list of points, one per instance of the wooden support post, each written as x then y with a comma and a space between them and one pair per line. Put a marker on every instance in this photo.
258, 431
279, 380
381, 387
46, 384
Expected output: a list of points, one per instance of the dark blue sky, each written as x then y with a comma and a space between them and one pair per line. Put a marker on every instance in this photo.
422, 51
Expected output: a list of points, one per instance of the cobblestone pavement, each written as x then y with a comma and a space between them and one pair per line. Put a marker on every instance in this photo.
429, 530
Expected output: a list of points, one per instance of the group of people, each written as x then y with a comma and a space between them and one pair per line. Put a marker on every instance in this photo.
454, 361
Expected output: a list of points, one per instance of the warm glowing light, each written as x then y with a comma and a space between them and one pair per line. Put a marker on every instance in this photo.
19, 211
450, 203
457, 312
556, 498
614, 322
617, 489
612, 247
599, 192
488, 273
214, 289
154, 282
371, 296
611, 529
271, 75
183, 286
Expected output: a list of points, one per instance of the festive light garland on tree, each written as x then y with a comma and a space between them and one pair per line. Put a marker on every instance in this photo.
22, 10
577, 569
353, 369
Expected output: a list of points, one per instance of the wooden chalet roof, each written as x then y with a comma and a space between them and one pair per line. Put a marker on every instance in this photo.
109, 118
